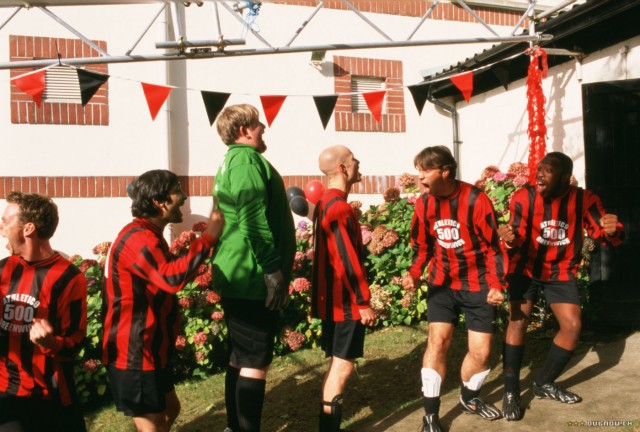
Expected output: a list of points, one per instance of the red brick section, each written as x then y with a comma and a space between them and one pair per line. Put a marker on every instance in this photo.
391, 70
24, 109
417, 8
116, 186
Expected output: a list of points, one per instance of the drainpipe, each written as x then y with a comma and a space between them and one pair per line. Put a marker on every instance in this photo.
454, 125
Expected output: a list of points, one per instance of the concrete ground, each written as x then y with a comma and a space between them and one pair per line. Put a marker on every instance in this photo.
607, 377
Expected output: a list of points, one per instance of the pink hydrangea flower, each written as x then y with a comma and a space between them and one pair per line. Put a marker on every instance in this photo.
181, 342
185, 302
200, 338
499, 177
366, 234
204, 280
213, 297
91, 365
520, 180
180, 244
489, 172
392, 194
102, 248
519, 168
200, 356
295, 340
87, 264
300, 285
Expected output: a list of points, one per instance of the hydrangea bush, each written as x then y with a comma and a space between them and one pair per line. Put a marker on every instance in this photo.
201, 344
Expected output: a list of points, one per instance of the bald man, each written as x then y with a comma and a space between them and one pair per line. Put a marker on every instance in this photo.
340, 295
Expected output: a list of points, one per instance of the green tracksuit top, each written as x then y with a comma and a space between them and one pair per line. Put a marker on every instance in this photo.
259, 234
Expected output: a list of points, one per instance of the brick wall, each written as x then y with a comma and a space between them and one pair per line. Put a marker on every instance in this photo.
391, 70
25, 111
116, 186
417, 8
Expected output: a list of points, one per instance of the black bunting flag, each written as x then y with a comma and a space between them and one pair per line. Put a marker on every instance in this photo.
89, 82
213, 103
420, 94
325, 106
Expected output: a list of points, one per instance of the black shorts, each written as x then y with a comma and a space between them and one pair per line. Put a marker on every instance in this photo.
526, 288
445, 305
28, 414
252, 329
136, 393
343, 339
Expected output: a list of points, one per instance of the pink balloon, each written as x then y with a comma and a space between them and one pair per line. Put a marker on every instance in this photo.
313, 191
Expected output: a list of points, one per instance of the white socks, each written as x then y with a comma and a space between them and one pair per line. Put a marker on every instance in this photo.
431, 381
476, 380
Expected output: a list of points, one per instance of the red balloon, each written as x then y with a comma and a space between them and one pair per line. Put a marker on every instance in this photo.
313, 191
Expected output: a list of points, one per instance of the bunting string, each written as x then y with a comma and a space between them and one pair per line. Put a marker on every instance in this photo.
33, 83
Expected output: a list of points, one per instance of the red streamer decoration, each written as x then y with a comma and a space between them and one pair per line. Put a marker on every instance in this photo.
537, 129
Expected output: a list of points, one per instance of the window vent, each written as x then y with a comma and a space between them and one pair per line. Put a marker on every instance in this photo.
62, 85
361, 85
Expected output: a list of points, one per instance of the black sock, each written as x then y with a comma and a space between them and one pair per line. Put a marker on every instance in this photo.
331, 422
250, 397
431, 405
512, 362
468, 394
555, 364
230, 384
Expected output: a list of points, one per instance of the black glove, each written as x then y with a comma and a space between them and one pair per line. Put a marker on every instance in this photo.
276, 290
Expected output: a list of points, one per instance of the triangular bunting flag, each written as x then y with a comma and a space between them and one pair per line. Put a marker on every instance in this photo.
213, 103
420, 94
464, 83
374, 102
325, 106
502, 73
32, 84
155, 95
271, 106
90, 82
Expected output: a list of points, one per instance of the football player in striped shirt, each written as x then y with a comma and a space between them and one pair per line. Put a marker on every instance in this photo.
340, 291
140, 308
43, 304
545, 233
453, 232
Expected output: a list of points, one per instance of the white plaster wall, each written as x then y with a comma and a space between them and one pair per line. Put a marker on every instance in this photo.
131, 143
493, 126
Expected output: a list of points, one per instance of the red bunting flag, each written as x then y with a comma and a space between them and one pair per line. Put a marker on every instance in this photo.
464, 83
374, 102
155, 95
32, 84
271, 106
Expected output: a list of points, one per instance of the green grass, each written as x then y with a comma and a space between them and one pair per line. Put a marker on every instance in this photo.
386, 382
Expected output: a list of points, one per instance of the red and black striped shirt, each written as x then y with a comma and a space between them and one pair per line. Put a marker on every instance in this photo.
52, 289
340, 287
140, 309
456, 237
549, 232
